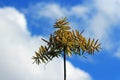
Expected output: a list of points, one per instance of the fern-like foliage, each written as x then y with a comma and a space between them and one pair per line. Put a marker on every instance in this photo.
65, 40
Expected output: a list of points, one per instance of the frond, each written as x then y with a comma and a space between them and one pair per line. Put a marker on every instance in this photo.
65, 40
92, 46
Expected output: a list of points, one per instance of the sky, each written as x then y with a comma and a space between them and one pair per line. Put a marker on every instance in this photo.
24, 22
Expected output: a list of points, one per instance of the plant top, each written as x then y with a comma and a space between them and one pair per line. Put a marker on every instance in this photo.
63, 39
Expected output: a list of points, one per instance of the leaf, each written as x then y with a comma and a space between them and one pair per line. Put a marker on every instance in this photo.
45, 57
84, 41
51, 38
37, 54
81, 32
77, 33
45, 40
82, 47
68, 51
97, 49
65, 27
99, 44
88, 44
92, 42
96, 42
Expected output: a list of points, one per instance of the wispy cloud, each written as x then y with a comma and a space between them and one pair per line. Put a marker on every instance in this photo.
17, 48
40, 10
54, 11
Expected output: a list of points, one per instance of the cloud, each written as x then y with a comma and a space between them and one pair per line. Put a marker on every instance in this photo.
17, 47
105, 21
80, 11
78, 75
53, 10
45, 10
109, 9
42, 11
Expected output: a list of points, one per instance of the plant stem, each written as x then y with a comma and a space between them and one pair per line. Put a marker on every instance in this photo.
64, 66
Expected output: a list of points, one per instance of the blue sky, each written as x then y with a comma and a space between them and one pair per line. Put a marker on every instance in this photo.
24, 22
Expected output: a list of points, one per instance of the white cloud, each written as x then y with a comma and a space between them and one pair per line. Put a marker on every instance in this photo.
79, 11
17, 48
76, 74
53, 10
98, 25
109, 8
46, 10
